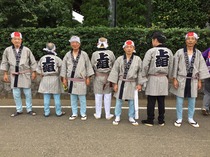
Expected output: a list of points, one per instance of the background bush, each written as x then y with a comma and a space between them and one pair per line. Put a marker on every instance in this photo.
36, 38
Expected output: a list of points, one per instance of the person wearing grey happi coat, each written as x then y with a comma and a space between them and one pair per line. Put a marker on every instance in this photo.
49, 67
126, 78
19, 63
102, 61
188, 70
157, 68
76, 71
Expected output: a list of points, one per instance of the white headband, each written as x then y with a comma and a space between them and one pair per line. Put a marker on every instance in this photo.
104, 43
192, 34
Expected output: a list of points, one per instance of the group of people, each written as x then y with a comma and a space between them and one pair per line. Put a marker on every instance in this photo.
125, 76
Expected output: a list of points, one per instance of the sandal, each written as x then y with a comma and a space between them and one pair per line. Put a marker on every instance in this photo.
196, 125
31, 113
16, 114
62, 113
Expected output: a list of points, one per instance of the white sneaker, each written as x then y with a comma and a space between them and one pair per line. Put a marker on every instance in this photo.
116, 121
110, 117
177, 124
96, 117
133, 122
83, 117
195, 124
73, 117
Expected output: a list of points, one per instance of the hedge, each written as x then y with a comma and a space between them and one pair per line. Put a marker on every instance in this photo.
36, 38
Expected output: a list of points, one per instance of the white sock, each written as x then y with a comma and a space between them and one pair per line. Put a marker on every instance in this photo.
190, 120
179, 120
131, 119
117, 118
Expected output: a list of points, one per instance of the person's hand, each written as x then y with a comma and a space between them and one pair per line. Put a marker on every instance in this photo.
6, 77
175, 83
115, 88
199, 84
87, 81
65, 82
139, 87
33, 75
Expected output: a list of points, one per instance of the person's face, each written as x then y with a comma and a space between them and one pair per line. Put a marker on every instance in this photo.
75, 45
129, 49
16, 41
190, 41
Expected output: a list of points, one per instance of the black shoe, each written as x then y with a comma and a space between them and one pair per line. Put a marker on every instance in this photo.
147, 123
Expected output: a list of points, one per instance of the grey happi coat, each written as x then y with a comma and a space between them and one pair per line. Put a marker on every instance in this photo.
102, 62
157, 67
49, 67
200, 71
26, 65
83, 70
134, 74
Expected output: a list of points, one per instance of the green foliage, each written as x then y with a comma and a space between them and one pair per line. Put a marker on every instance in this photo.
35, 13
95, 12
36, 39
180, 13
131, 13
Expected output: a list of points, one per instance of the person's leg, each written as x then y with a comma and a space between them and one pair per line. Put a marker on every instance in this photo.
179, 110
107, 105
57, 102
191, 111
206, 97
74, 104
118, 111
131, 111
82, 99
161, 109
17, 98
46, 104
150, 111
151, 108
191, 108
98, 105
27, 92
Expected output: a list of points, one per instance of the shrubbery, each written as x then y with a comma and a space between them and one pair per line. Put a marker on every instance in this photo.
36, 38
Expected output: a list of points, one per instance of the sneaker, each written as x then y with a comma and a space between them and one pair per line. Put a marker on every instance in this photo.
177, 124
133, 122
16, 114
96, 117
205, 112
110, 117
162, 124
196, 125
147, 123
115, 122
84, 117
73, 117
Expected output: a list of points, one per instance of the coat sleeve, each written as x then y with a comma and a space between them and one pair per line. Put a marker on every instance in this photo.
114, 74
203, 69
33, 63
175, 65
141, 80
146, 63
88, 66
63, 72
4, 63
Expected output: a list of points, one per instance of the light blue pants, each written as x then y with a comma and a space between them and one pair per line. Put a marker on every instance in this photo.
118, 108
179, 107
18, 101
47, 104
74, 104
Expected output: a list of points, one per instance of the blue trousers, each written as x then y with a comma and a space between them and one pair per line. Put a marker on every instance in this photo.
74, 104
47, 104
18, 101
118, 108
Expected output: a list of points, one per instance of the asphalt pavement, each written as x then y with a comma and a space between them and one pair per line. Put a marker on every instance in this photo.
38, 136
